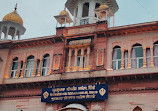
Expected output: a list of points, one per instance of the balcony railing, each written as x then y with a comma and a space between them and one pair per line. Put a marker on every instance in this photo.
156, 60
78, 68
116, 64
45, 71
29, 72
84, 21
137, 62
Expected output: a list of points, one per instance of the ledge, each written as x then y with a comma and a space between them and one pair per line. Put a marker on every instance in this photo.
56, 77
147, 70
83, 75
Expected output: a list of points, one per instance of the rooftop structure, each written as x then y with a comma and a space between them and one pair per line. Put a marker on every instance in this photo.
12, 24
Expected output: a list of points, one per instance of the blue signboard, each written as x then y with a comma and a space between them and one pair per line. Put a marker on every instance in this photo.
75, 93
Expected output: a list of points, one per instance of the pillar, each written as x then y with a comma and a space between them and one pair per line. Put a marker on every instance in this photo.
19, 36
23, 69
81, 61
15, 33
34, 69
69, 62
1, 29
91, 11
75, 9
152, 56
18, 70
79, 14
75, 62
122, 59
6, 35
109, 61
40, 68
144, 58
65, 21
80, 8
106, 18
88, 54
129, 58
50, 64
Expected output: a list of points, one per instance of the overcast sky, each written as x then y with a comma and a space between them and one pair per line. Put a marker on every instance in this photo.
38, 15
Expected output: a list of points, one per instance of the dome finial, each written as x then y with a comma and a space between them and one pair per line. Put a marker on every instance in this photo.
65, 7
16, 6
13, 16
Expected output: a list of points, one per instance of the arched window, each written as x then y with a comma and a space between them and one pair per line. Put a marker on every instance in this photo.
76, 11
137, 109
156, 53
29, 66
81, 61
137, 56
96, 7
45, 66
14, 68
116, 58
85, 10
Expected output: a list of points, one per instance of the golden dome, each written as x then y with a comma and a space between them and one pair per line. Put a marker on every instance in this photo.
103, 6
14, 17
64, 12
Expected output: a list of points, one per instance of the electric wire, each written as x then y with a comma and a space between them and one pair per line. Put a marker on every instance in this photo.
153, 16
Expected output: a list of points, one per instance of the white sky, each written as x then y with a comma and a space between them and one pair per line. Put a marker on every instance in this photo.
38, 15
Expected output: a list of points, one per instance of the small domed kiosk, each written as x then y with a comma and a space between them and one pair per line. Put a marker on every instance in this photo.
12, 24
63, 18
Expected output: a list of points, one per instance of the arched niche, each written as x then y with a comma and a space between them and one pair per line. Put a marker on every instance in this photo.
85, 11
74, 107
137, 109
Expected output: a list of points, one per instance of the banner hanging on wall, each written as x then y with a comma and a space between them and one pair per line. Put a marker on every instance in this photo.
75, 93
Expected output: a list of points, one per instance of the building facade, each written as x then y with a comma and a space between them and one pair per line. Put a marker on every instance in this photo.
88, 53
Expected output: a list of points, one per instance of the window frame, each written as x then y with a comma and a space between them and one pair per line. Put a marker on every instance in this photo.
84, 61
30, 70
14, 71
137, 58
155, 56
47, 65
84, 7
116, 60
